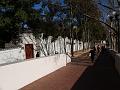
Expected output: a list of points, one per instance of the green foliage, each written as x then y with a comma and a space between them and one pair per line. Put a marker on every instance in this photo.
4, 21
21, 10
21, 14
15, 12
97, 31
77, 9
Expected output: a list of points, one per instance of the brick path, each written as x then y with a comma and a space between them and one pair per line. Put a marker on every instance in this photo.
81, 74
101, 76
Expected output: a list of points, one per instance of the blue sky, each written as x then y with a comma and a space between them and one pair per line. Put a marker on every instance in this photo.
45, 10
38, 5
103, 9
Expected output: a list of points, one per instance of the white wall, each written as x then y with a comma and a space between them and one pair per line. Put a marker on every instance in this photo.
117, 62
12, 55
45, 46
41, 45
28, 38
17, 75
59, 45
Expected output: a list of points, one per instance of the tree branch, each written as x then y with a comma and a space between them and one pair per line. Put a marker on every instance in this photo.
101, 22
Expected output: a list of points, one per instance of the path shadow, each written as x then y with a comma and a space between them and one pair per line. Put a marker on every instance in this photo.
101, 76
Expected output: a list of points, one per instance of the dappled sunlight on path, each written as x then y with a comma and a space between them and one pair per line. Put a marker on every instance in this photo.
82, 58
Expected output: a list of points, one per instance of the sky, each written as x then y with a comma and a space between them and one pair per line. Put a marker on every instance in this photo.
38, 5
105, 11
46, 10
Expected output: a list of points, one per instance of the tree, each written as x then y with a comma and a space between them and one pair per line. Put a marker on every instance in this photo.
78, 9
13, 14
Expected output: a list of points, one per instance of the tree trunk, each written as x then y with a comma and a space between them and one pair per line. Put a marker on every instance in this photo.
64, 45
83, 40
83, 45
88, 39
72, 42
60, 44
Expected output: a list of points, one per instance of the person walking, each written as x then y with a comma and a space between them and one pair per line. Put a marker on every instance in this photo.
98, 49
93, 52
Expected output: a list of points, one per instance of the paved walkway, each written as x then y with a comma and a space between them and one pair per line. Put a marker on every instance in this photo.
81, 74
101, 76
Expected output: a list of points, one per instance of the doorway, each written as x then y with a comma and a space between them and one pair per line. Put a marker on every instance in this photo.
29, 51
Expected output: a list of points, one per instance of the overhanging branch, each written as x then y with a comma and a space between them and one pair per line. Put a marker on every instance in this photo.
101, 22
107, 7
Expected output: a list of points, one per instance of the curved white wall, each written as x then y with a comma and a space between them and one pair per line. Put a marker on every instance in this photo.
12, 55
45, 47
15, 76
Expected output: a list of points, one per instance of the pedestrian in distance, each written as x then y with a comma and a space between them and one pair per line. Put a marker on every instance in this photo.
98, 49
92, 54
103, 49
